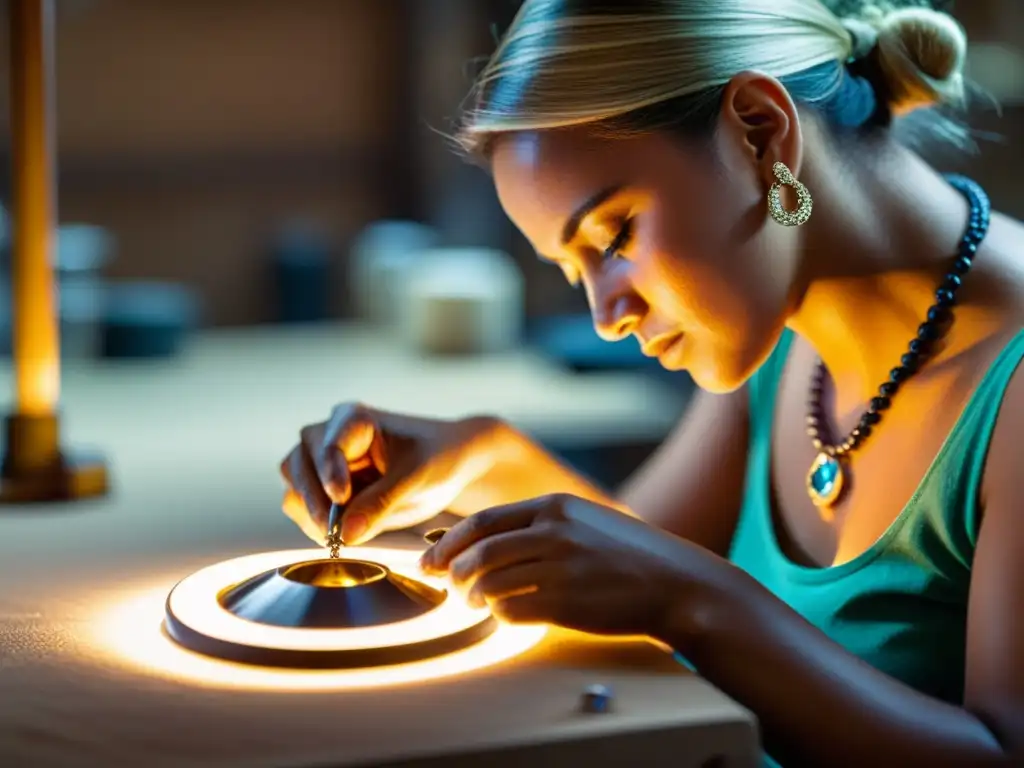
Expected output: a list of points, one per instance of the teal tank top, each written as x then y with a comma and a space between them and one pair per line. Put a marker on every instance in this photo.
901, 606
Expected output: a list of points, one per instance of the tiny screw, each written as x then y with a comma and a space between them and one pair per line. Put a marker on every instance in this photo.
333, 541
596, 699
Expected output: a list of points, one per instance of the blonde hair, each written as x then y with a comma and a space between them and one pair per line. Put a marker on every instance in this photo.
616, 66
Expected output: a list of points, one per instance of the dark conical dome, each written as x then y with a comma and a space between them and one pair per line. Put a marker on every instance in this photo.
330, 594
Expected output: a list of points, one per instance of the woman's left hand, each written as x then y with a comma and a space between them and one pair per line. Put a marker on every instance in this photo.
566, 561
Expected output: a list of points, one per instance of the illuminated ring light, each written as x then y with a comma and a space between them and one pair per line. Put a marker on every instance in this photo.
196, 619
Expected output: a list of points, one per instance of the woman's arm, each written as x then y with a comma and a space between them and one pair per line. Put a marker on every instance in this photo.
820, 705
671, 490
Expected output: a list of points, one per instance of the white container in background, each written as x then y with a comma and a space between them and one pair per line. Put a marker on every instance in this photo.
463, 301
382, 257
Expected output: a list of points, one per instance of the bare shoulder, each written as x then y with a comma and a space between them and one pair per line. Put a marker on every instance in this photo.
1006, 270
1003, 261
1003, 269
1001, 484
994, 683
994, 680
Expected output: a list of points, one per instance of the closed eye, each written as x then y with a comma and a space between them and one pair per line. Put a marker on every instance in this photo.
621, 241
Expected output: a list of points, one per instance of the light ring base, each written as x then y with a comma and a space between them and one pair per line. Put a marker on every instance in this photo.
196, 619
326, 659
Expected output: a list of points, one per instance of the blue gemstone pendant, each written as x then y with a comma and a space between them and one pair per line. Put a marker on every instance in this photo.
825, 480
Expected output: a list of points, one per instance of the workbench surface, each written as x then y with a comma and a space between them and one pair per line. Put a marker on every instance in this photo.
194, 446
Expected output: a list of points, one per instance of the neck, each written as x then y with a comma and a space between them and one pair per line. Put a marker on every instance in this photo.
873, 256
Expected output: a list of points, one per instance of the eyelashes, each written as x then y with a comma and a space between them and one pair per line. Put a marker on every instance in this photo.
621, 241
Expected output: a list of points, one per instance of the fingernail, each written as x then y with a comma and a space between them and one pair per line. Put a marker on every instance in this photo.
475, 599
353, 527
427, 561
337, 492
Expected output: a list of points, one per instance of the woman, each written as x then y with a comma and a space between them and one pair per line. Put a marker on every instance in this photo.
830, 536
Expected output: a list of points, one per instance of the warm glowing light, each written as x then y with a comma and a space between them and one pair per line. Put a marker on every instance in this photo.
194, 603
130, 630
39, 387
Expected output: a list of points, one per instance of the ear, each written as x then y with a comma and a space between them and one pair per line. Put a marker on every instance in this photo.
759, 116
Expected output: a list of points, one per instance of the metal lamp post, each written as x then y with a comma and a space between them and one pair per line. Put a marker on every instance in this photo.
34, 466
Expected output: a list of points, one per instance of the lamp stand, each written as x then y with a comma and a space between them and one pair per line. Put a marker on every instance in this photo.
34, 465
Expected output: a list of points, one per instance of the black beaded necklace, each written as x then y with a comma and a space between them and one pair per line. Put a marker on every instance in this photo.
826, 479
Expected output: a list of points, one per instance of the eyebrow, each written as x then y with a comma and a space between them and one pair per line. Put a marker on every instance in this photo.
572, 224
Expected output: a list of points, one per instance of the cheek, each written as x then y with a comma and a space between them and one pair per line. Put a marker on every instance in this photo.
720, 273
693, 272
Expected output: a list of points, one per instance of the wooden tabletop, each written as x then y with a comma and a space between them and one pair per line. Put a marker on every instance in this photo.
193, 446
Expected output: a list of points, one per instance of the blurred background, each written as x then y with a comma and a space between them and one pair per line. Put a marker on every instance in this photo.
259, 218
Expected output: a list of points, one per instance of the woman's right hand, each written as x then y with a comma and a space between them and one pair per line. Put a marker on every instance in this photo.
387, 471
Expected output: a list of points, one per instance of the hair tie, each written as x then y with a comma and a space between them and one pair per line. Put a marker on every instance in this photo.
855, 100
864, 36
857, 104
859, 100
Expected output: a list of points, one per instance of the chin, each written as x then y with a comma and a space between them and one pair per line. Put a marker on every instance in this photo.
723, 373
715, 383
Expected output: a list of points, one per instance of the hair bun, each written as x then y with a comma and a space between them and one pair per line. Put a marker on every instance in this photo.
921, 54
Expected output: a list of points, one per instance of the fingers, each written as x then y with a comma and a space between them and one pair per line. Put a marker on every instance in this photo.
502, 550
295, 509
301, 476
473, 529
376, 488
328, 460
350, 442
371, 506
332, 470
539, 607
504, 583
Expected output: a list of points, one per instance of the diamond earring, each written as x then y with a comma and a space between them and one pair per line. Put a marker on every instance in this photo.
803, 196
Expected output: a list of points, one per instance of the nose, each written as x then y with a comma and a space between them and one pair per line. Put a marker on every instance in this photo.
618, 313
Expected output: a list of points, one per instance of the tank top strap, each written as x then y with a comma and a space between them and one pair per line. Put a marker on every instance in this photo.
948, 494
960, 468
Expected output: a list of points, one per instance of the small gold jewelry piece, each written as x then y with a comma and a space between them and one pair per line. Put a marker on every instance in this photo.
333, 541
334, 545
803, 196
433, 536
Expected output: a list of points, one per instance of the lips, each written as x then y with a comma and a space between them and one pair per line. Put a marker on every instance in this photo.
659, 345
